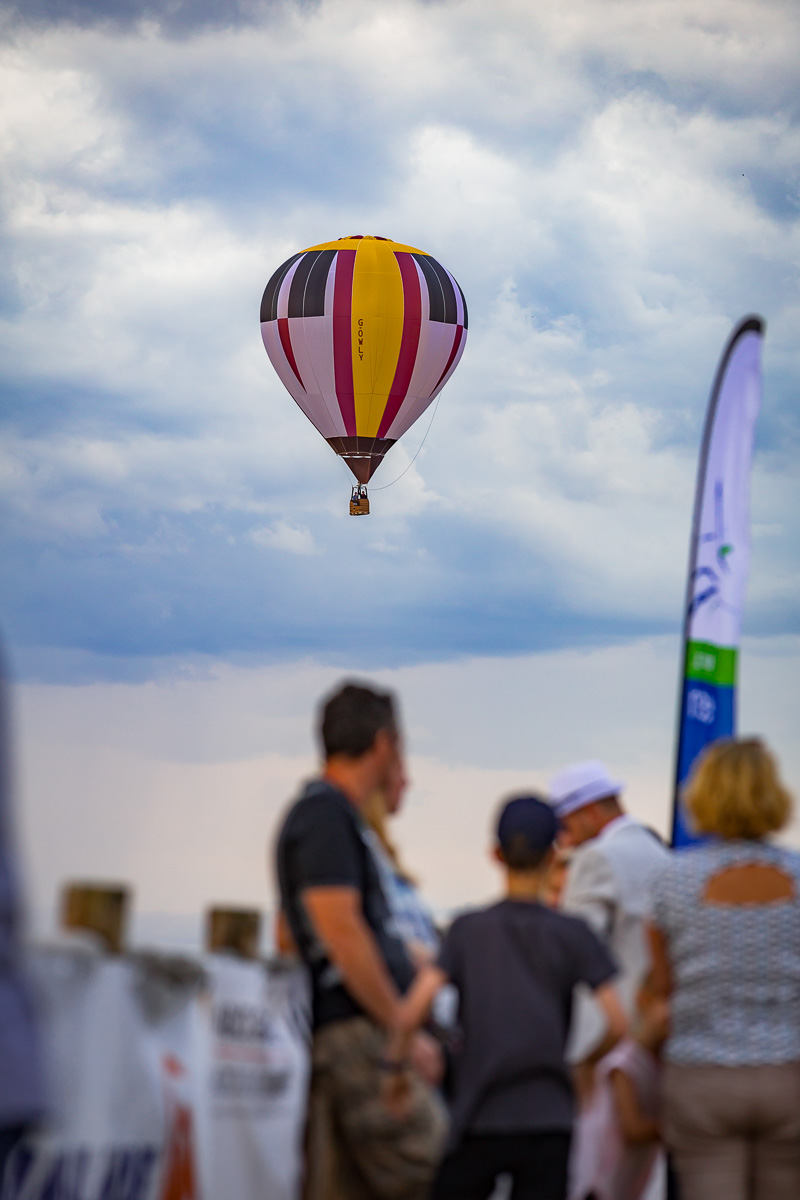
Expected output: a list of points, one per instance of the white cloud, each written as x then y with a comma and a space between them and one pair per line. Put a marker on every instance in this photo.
296, 539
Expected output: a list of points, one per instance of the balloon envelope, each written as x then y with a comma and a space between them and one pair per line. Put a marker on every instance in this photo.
364, 333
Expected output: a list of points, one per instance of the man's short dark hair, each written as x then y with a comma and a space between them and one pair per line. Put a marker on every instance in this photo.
351, 718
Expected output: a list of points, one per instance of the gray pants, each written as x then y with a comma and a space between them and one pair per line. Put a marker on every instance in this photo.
734, 1131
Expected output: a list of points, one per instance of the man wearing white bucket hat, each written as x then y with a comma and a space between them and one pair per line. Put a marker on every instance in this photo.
610, 878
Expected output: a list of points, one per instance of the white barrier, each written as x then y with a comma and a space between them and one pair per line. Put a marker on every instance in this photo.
169, 1080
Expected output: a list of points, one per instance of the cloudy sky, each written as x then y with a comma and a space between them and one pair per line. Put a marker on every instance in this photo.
614, 183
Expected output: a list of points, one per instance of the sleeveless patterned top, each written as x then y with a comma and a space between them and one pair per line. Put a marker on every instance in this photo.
735, 968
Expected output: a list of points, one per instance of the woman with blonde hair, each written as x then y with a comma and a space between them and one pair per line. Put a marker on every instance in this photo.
725, 937
411, 917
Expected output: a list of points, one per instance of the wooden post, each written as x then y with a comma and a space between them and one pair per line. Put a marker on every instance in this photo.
234, 929
99, 908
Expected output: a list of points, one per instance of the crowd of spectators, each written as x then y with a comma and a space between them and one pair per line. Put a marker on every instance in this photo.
622, 1024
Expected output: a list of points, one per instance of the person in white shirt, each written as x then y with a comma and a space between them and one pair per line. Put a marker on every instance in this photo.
615, 863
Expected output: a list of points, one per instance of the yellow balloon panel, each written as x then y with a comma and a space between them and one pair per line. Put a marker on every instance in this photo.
377, 330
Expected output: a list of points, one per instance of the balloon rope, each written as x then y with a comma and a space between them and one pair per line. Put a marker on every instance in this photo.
414, 459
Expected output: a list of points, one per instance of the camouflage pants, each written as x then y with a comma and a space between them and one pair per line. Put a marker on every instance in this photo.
355, 1149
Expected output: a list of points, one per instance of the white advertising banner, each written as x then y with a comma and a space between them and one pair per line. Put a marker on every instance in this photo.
258, 1080
719, 559
168, 1080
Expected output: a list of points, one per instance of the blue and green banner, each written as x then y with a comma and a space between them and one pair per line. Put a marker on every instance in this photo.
719, 559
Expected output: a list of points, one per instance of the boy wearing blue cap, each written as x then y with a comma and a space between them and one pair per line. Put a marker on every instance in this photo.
515, 965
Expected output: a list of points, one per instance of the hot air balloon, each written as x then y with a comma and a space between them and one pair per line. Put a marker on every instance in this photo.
364, 333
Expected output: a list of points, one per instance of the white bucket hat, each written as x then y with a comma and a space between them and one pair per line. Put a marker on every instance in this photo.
581, 784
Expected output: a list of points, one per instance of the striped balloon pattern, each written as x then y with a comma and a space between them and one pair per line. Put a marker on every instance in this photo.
364, 333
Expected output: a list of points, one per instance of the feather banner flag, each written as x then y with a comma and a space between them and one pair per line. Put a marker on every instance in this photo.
719, 559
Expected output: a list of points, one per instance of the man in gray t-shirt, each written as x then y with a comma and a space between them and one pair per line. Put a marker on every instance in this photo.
514, 965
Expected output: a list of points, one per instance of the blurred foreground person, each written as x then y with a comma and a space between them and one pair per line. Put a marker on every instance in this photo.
341, 924
21, 1084
514, 966
556, 878
412, 920
609, 884
726, 949
618, 1138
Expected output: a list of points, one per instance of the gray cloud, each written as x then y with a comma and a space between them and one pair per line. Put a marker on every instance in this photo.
176, 18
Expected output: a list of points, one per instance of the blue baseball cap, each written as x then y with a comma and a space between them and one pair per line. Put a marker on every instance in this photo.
529, 818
